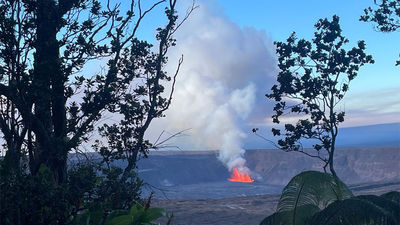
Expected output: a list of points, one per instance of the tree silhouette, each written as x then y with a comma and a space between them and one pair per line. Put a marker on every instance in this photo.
44, 44
50, 105
386, 17
314, 77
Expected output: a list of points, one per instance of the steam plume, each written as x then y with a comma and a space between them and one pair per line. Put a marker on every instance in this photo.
220, 92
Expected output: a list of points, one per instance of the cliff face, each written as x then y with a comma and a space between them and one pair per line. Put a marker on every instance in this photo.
353, 166
169, 169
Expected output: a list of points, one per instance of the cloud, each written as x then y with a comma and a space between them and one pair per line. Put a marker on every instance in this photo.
221, 85
377, 101
372, 107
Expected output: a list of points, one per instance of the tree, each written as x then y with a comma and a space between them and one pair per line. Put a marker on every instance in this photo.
45, 43
49, 107
386, 17
313, 79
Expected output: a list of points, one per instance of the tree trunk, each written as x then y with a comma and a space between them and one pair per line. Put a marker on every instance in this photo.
49, 92
12, 159
331, 154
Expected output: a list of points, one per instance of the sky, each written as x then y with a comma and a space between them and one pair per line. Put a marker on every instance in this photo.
373, 95
230, 64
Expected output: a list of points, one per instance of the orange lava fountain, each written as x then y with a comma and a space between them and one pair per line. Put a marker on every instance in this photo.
240, 177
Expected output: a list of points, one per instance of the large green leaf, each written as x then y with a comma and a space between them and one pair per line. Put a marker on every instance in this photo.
306, 194
286, 217
115, 213
360, 210
135, 209
312, 188
154, 213
137, 215
393, 196
389, 208
121, 220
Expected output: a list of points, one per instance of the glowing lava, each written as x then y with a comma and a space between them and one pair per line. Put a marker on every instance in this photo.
240, 177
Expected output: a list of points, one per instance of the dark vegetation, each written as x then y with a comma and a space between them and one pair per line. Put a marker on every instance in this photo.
385, 17
315, 198
309, 83
313, 79
49, 107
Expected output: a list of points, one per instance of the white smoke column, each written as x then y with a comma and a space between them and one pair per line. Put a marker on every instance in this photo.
221, 85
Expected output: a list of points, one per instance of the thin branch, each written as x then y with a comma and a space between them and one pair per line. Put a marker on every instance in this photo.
173, 84
157, 144
188, 13
264, 138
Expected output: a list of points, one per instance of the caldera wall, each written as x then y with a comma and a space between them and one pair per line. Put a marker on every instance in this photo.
353, 166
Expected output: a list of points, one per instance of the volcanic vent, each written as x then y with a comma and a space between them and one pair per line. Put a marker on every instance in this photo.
240, 177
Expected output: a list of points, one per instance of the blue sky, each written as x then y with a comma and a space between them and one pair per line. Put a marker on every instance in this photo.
230, 64
280, 18
374, 94
373, 97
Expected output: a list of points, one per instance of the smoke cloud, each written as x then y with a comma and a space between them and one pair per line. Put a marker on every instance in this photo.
221, 86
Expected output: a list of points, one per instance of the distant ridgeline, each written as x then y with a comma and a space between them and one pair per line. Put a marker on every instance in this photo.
372, 135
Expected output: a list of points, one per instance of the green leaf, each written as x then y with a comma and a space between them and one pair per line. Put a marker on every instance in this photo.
312, 188
121, 220
360, 210
82, 219
43, 169
389, 208
96, 217
98, 180
286, 217
116, 213
154, 213
135, 209
306, 194
393, 196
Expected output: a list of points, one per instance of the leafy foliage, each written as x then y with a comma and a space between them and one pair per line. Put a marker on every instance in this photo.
393, 196
33, 199
359, 210
386, 17
314, 77
50, 106
137, 215
36, 200
49, 109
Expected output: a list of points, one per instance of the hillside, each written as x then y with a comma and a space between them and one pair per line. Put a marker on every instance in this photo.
197, 175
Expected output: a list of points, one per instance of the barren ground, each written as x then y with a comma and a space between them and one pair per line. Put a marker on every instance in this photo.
242, 210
